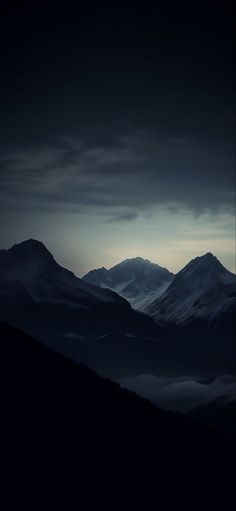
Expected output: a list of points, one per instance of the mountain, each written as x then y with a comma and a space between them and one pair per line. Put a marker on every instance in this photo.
35, 291
99, 328
64, 427
138, 280
203, 292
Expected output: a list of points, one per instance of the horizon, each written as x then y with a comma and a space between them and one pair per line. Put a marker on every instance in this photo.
80, 275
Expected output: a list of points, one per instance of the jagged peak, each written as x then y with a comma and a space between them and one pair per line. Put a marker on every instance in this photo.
30, 242
137, 258
31, 247
101, 269
207, 258
201, 266
134, 260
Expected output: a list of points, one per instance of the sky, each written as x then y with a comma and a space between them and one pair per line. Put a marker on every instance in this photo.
117, 131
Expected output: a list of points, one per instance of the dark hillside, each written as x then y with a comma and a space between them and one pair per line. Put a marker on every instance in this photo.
65, 425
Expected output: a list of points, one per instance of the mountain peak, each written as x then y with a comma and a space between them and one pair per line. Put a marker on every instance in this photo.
208, 257
139, 259
29, 252
33, 266
203, 272
30, 246
137, 279
135, 260
203, 289
31, 242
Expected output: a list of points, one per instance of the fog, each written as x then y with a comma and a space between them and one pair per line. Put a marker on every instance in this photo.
182, 394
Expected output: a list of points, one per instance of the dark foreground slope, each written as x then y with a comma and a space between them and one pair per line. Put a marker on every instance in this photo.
68, 430
65, 427
220, 413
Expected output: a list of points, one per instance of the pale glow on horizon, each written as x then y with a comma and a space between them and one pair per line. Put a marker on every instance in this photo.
84, 242
175, 256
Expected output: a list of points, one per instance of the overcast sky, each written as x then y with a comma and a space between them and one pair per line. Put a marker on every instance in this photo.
117, 132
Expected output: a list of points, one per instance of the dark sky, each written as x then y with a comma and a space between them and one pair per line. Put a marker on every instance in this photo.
117, 130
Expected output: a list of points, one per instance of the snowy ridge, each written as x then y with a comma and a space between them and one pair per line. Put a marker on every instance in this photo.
31, 266
202, 291
138, 280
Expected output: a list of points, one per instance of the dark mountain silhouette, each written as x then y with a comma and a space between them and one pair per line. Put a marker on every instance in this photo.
38, 294
138, 280
65, 428
32, 265
100, 328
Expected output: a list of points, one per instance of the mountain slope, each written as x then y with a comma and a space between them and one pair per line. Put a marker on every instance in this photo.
203, 291
62, 421
32, 265
35, 290
138, 280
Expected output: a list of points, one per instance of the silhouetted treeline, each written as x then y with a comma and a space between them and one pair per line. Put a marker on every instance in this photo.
67, 428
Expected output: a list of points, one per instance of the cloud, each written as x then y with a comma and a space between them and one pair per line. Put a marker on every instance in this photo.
117, 174
123, 217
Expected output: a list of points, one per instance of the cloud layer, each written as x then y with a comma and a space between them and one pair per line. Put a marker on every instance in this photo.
118, 175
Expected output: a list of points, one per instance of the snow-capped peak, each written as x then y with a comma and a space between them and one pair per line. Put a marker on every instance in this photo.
33, 266
205, 269
202, 290
138, 280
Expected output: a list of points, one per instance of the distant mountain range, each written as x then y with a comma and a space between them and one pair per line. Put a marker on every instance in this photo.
138, 280
203, 292
99, 327
35, 290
